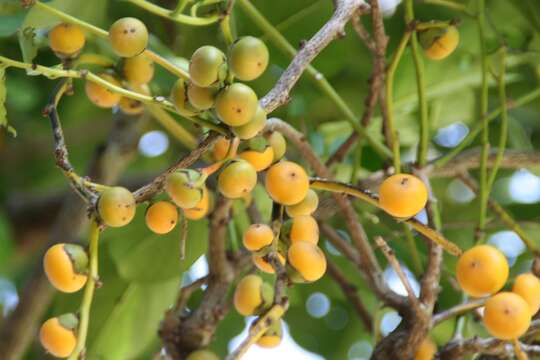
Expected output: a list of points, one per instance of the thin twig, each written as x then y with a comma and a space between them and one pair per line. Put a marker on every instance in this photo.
457, 310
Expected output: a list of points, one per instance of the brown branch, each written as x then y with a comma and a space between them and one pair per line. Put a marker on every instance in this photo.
457, 310
351, 292
279, 95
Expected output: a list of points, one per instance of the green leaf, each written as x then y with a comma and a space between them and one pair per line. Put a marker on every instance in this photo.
28, 44
141, 255
11, 17
3, 113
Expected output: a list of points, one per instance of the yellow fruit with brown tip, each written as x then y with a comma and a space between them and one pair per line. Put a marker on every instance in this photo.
287, 183
253, 127
237, 179
161, 217
116, 206
403, 195
128, 37
507, 316
236, 104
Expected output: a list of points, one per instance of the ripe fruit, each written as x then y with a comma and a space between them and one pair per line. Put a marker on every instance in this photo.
65, 266
131, 106
278, 143
271, 337
221, 148
307, 259
402, 195
202, 355
426, 351
202, 98
128, 37
507, 316
57, 335
138, 70
201, 209
179, 98
253, 127
66, 40
248, 58
161, 217
185, 187
528, 287
259, 159
304, 228
287, 183
237, 179
304, 207
252, 295
438, 43
207, 66
101, 96
257, 236
482, 270
116, 206
265, 266
236, 104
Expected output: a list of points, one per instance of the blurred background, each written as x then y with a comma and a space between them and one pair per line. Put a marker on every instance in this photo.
141, 271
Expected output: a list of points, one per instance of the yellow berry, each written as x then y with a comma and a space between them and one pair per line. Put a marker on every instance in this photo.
131, 106
426, 351
66, 40
236, 104
482, 270
116, 206
201, 209
185, 187
128, 37
271, 337
306, 258
278, 143
304, 228
161, 217
207, 66
507, 316
402, 195
264, 265
57, 335
201, 98
252, 295
202, 355
180, 100
248, 58
237, 179
287, 183
438, 43
257, 236
304, 207
221, 148
138, 70
259, 159
100, 95
65, 266
253, 127
528, 287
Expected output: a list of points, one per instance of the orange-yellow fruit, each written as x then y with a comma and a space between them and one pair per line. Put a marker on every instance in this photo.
237, 179
271, 337
482, 270
57, 335
259, 159
438, 43
179, 98
251, 295
248, 58
306, 258
304, 207
128, 37
161, 217
138, 70
264, 265
528, 287
131, 106
253, 127
257, 236
201, 98
403, 195
507, 316
100, 95
202, 355
65, 266
185, 187
66, 40
221, 148
236, 104
304, 228
426, 351
116, 206
201, 209
278, 143
287, 183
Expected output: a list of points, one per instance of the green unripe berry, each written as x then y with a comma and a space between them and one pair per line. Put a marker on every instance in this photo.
179, 98
236, 105
253, 127
201, 98
207, 66
438, 43
202, 354
278, 143
116, 206
128, 37
248, 58
237, 179
185, 187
